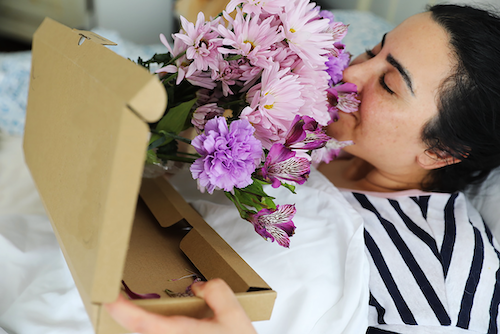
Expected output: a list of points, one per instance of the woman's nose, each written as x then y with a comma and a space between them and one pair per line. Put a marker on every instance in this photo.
355, 74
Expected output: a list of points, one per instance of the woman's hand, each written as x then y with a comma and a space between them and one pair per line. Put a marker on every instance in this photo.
228, 318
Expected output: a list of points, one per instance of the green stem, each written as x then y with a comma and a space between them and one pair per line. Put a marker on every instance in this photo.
173, 76
175, 158
195, 155
172, 135
237, 204
232, 103
175, 58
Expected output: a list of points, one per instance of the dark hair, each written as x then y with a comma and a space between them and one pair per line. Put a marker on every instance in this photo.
467, 126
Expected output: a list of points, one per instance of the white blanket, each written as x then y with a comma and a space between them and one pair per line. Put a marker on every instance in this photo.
320, 280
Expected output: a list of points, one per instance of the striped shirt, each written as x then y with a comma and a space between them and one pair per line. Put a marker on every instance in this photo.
434, 265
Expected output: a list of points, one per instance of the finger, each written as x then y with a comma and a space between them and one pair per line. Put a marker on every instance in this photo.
220, 298
136, 319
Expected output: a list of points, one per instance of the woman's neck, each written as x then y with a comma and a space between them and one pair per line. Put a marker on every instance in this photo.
357, 174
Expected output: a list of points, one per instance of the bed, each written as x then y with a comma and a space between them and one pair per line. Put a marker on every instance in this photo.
321, 281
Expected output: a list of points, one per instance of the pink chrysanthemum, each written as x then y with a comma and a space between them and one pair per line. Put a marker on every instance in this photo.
249, 37
227, 75
202, 43
204, 113
197, 78
273, 104
315, 84
307, 35
181, 63
256, 7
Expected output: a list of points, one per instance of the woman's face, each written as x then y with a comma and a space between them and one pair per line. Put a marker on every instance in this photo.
398, 84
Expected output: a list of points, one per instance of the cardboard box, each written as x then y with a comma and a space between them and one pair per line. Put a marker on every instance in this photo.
85, 142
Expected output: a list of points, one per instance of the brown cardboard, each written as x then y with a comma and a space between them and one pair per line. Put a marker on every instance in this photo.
85, 142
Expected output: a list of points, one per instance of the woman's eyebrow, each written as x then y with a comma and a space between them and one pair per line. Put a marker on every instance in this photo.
383, 40
404, 73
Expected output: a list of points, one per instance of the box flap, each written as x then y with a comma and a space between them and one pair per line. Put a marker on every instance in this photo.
85, 34
85, 144
202, 245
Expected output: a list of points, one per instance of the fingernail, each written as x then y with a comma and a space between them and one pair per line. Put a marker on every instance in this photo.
198, 284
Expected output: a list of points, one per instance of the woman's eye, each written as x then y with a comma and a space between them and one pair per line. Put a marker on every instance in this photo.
384, 85
369, 53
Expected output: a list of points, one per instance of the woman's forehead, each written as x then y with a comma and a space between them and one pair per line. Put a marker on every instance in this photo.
423, 48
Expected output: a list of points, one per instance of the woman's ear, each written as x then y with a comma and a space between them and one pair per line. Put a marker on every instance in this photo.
431, 160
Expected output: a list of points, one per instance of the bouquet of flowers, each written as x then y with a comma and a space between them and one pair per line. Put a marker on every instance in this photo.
258, 84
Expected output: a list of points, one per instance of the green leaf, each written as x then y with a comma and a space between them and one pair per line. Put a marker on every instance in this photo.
289, 187
243, 212
235, 57
151, 158
157, 140
254, 196
268, 201
260, 181
255, 188
169, 148
176, 117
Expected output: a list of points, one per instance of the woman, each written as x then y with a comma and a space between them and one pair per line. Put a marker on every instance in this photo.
427, 127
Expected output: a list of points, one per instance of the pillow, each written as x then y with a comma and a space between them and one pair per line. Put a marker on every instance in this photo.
14, 83
485, 197
365, 29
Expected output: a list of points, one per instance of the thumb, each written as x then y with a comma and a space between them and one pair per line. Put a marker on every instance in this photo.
138, 320
220, 298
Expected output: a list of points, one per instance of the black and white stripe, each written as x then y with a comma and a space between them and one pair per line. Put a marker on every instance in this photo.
433, 263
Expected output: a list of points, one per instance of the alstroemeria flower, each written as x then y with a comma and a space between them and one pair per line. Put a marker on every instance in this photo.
329, 152
229, 156
283, 165
306, 134
134, 295
343, 97
275, 224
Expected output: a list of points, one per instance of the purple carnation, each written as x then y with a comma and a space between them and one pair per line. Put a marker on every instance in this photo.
326, 14
336, 66
229, 156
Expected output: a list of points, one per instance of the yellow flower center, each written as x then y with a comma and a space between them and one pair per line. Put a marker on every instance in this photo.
268, 106
251, 43
292, 30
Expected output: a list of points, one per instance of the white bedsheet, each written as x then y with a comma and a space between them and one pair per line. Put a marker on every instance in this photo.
320, 280
37, 293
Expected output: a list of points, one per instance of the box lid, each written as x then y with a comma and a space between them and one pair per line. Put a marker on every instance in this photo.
88, 106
